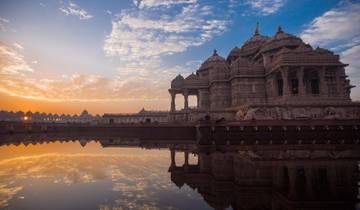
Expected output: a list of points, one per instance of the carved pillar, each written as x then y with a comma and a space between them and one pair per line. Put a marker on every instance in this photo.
186, 162
292, 178
332, 180
172, 151
322, 80
274, 91
339, 90
172, 108
284, 73
186, 155
198, 101
309, 187
300, 77
186, 103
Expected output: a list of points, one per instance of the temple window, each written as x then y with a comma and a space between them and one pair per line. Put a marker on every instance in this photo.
280, 85
331, 82
315, 86
294, 86
312, 82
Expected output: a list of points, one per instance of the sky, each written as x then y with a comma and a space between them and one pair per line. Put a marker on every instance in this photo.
116, 56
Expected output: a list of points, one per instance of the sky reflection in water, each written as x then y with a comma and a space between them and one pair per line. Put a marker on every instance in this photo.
68, 176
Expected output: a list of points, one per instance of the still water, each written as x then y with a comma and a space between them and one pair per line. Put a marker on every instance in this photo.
95, 175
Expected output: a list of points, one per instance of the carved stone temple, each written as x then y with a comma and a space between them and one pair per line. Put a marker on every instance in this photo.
278, 77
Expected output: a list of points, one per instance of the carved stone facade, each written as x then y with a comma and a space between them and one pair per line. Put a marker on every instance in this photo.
278, 77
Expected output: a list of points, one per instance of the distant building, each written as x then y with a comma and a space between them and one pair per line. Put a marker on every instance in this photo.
142, 116
278, 77
84, 117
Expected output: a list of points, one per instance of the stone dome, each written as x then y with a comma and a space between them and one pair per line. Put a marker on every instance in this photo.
235, 51
254, 43
177, 82
234, 54
214, 58
281, 39
211, 61
217, 66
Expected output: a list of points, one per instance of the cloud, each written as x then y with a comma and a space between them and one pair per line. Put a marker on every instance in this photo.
3, 23
351, 56
18, 46
16, 79
139, 40
141, 37
345, 19
75, 10
4, 20
339, 29
265, 7
159, 3
80, 88
12, 61
144, 34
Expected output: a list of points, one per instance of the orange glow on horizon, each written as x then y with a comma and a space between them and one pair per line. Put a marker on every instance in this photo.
15, 104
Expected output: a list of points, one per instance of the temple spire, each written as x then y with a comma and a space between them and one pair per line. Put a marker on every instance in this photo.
256, 32
215, 52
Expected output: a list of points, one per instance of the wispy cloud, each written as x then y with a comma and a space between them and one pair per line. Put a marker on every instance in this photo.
141, 37
75, 10
337, 26
18, 46
265, 7
12, 61
144, 34
339, 29
351, 56
3, 23
159, 3
16, 79
139, 40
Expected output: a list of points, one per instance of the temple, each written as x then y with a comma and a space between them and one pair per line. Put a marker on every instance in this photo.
278, 77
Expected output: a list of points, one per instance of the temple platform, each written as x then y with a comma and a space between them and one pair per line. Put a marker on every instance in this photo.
265, 132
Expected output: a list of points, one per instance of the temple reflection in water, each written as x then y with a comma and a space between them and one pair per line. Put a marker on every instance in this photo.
236, 177
250, 180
